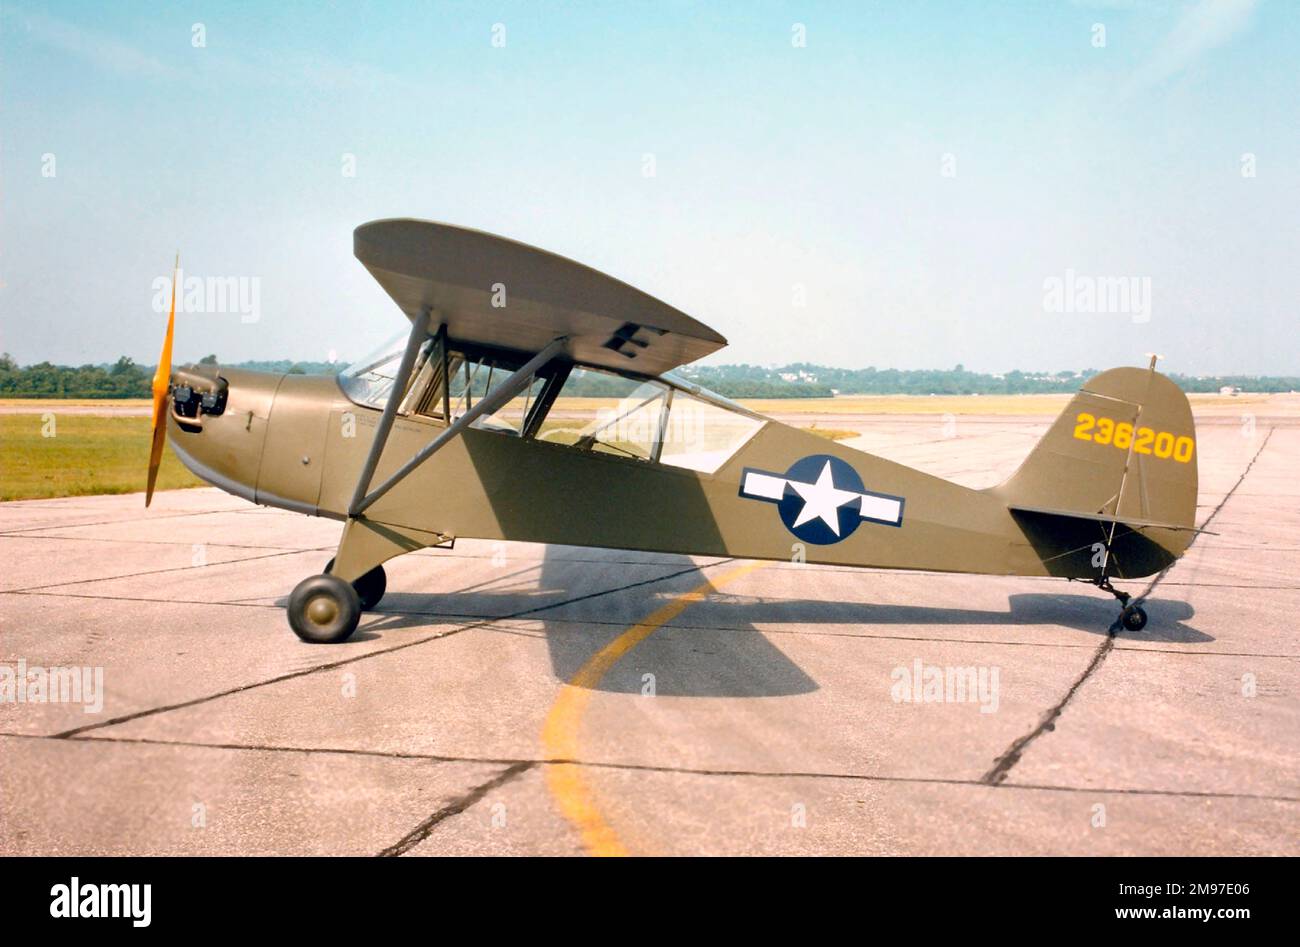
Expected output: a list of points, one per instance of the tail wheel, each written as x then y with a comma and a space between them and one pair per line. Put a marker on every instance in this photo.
323, 609
370, 587
1134, 618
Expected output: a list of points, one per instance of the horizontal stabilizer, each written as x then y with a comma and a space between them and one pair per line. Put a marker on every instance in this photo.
1129, 521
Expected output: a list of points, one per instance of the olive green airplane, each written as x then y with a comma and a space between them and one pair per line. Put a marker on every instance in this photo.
533, 398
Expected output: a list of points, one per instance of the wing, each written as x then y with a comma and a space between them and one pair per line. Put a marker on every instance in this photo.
493, 291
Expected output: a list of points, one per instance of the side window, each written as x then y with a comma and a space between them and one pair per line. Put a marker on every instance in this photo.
701, 435
473, 379
460, 382
607, 414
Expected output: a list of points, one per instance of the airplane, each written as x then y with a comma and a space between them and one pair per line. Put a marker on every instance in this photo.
535, 399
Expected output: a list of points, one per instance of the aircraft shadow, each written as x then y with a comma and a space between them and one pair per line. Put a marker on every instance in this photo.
721, 654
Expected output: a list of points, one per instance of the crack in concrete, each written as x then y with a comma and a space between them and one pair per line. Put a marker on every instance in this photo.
136, 575
455, 807
331, 665
529, 762
164, 516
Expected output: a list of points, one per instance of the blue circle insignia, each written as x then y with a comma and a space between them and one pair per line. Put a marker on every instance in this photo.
822, 500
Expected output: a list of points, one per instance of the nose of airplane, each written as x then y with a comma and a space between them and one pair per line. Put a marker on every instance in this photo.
217, 420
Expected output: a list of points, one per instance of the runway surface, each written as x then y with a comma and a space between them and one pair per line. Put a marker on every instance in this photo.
517, 699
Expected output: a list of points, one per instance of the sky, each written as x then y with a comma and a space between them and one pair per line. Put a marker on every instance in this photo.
1003, 185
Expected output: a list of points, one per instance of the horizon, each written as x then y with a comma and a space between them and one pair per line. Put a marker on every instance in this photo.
705, 366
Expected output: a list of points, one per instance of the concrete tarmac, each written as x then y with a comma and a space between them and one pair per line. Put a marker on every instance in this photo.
518, 699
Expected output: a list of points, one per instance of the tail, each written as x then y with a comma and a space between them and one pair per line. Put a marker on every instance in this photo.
1111, 488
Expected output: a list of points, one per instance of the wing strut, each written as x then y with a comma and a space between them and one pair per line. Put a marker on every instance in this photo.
419, 332
489, 403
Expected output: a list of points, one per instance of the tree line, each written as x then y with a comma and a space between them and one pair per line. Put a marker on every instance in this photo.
801, 379
122, 379
125, 379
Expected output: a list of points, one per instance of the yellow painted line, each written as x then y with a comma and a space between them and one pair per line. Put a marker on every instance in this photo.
565, 781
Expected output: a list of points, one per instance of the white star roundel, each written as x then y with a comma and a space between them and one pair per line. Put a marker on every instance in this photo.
821, 499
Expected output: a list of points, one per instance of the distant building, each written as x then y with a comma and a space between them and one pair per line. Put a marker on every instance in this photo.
800, 375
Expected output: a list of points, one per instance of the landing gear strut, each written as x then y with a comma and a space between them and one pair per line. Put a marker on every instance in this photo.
1132, 617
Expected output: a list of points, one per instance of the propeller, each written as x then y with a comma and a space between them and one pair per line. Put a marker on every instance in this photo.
161, 381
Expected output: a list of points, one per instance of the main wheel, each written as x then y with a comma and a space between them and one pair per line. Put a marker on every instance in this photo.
370, 587
1134, 618
324, 609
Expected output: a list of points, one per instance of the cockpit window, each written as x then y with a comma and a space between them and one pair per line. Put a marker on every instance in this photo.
607, 413
702, 434
440, 385
667, 421
473, 379
646, 419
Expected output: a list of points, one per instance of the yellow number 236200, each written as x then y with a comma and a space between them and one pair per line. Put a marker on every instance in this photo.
1142, 440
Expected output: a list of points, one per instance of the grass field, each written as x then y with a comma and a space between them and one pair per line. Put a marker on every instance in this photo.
85, 455
832, 433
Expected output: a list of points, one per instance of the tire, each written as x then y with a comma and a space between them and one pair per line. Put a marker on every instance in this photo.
1134, 618
370, 587
324, 609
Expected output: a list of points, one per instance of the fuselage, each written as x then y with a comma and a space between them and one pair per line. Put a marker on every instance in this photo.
297, 442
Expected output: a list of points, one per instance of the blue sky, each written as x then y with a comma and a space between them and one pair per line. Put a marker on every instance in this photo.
782, 173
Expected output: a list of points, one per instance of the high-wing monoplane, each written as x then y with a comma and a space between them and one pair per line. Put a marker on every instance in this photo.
533, 398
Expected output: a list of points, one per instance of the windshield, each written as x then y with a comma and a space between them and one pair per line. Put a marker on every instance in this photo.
369, 380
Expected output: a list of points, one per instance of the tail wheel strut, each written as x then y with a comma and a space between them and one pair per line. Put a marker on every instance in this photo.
1132, 616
